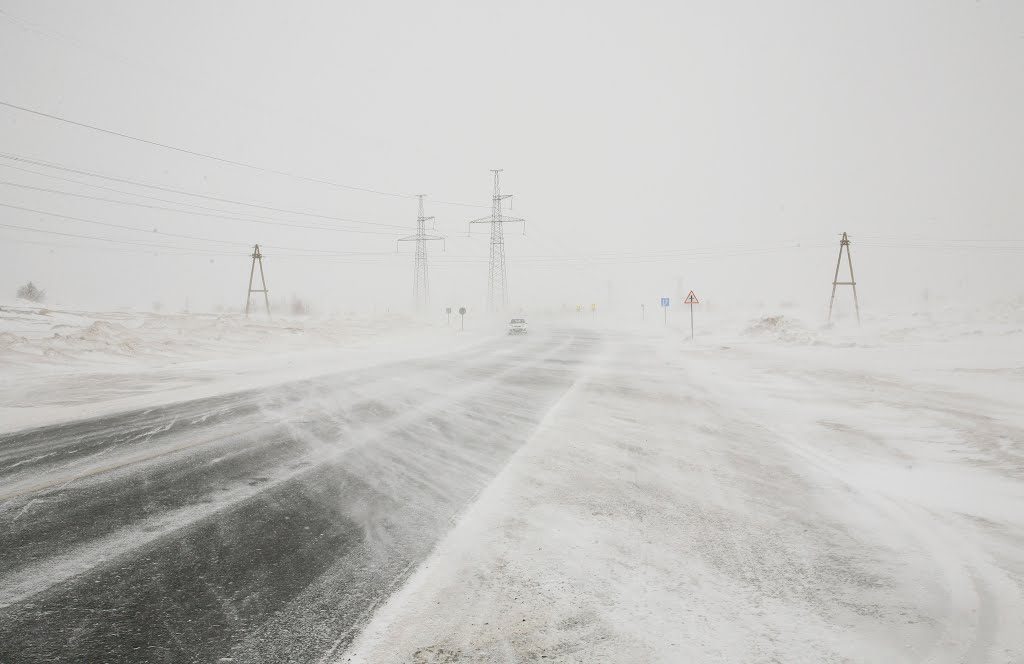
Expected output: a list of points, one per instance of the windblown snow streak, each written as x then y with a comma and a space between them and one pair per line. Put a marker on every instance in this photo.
263, 525
800, 500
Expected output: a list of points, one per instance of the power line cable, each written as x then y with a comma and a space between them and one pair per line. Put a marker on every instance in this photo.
121, 226
223, 160
136, 194
143, 230
172, 250
99, 238
535, 262
92, 185
201, 214
236, 215
120, 250
183, 192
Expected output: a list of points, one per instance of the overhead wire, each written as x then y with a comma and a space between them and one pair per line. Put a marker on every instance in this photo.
94, 237
201, 214
121, 250
227, 214
158, 232
601, 258
223, 160
382, 257
183, 192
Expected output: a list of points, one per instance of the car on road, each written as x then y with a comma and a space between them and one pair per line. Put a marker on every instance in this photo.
517, 326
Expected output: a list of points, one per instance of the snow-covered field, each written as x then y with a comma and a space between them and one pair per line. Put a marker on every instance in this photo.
61, 364
779, 491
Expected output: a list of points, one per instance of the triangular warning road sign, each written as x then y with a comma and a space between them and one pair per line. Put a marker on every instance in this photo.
691, 299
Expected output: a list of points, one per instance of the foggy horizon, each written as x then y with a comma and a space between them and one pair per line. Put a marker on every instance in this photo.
660, 149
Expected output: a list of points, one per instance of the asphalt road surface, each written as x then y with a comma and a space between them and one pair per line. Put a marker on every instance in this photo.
263, 525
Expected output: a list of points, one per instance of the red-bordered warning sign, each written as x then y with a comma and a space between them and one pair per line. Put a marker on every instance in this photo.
691, 299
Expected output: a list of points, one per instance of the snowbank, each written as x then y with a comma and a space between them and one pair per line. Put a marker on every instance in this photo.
780, 328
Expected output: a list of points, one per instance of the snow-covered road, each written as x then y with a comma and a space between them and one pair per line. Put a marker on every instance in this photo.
263, 525
581, 494
749, 502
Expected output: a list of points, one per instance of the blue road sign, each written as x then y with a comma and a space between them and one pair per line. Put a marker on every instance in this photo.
664, 301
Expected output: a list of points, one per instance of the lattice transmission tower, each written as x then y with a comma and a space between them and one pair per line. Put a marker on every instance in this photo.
420, 284
497, 274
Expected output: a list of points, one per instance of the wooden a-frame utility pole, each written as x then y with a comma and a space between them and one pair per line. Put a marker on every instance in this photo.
257, 256
845, 242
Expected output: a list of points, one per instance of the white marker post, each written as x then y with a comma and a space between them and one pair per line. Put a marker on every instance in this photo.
691, 300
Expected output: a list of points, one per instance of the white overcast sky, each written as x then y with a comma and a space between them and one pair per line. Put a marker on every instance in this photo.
654, 147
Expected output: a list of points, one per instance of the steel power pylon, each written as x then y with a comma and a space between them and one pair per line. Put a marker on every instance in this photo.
257, 256
421, 285
844, 242
497, 275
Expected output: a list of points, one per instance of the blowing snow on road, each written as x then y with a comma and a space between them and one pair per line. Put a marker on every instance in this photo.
404, 332
576, 494
256, 525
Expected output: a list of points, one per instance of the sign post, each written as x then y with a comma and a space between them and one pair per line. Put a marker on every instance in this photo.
462, 318
664, 307
691, 300
643, 312
448, 311
593, 310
